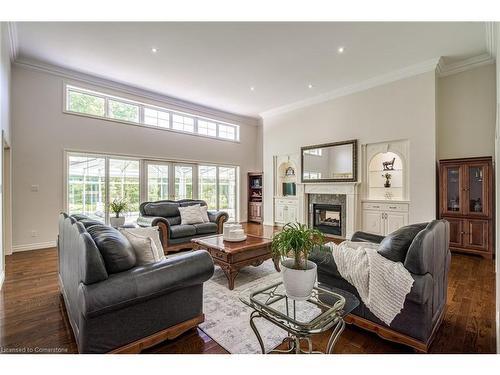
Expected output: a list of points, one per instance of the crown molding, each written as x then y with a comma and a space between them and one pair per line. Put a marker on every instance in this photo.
13, 43
444, 70
410, 71
99, 81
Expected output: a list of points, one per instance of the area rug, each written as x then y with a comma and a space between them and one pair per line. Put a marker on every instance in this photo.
227, 319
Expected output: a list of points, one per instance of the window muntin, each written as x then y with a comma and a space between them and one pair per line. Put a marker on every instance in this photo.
314, 151
88, 102
207, 181
155, 117
157, 182
183, 182
124, 185
123, 111
182, 123
227, 191
227, 132
207, 128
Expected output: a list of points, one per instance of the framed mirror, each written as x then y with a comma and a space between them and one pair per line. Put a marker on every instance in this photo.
331, 162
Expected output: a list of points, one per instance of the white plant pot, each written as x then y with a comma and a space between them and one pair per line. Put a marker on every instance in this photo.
298, 283
117, 221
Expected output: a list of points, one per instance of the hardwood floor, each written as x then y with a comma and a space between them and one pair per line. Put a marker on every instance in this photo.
33, 316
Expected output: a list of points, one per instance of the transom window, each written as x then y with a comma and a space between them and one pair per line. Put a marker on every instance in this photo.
96, 104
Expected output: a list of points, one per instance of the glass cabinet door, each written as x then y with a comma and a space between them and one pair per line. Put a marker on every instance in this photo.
451, 190
476, 193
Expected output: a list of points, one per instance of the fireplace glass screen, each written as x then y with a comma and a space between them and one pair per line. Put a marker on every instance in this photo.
328, 218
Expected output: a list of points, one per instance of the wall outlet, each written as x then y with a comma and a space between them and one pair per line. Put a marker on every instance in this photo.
34, 233
35, 188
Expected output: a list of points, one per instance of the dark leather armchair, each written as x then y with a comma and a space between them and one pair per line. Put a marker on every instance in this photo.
424, 251
114, 305
174, 236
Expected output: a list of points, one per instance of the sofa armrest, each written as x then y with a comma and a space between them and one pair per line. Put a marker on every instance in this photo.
421, 290
218, 217
366, 237
160, 222
143, 283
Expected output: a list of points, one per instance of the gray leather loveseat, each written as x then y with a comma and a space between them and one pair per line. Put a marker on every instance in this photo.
174, 236
424, 251
114, 305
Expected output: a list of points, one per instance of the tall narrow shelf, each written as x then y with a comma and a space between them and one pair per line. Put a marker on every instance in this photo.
255, 195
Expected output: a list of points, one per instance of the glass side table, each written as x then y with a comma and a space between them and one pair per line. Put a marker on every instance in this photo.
325, 309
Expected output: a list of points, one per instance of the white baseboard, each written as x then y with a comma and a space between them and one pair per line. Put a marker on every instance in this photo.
2, 278
33, 246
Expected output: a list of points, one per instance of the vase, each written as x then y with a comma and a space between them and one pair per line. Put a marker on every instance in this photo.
298, 283
117, 221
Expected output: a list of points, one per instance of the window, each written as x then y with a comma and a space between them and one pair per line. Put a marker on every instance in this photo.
217, 186
87, 186
227, 132
183, 182
94, 181
183, 123
312, 175
123, 111
207, 180
157, 182
124, 185
227, 191
156, 118
207, 128
87, 102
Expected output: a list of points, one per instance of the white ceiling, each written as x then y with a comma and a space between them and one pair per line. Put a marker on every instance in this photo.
215, 64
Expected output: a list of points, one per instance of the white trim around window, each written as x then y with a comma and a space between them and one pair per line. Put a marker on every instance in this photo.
230, 133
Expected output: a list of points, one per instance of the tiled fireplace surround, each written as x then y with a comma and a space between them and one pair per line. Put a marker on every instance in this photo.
343, 194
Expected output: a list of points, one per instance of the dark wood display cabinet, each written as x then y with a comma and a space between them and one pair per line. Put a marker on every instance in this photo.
255, 188
466, 201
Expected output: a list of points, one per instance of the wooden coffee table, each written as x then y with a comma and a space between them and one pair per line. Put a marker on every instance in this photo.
233, 256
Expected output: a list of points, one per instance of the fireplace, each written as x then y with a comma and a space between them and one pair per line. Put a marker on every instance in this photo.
327, 218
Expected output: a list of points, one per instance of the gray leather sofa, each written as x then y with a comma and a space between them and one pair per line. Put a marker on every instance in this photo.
174, 236
114, 305
424, 251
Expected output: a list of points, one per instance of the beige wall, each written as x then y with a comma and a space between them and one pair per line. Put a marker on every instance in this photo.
41, 131
466, 113
400, 110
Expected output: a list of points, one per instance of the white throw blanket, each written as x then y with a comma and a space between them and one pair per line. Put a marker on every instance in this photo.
381, 283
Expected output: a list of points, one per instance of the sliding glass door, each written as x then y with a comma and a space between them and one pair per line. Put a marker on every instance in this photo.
124, 185
94, 181
87, 186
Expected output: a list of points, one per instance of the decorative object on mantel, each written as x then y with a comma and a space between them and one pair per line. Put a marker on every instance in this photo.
293, 245
388, 195
233, 232
117, 207
387, 177
389, 165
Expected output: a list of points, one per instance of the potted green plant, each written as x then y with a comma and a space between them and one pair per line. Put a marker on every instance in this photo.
117, 207
293, 246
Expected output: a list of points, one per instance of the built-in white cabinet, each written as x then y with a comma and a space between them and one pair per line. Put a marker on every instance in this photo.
383, 218
285, 211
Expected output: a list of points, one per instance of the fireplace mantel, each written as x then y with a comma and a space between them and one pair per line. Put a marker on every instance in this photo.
347, 188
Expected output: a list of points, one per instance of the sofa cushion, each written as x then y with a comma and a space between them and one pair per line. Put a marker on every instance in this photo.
79, 217
395, 245
180, 231
116, 250
163, 209
144, 247
151, 232
191, 214
89, 222
205, 228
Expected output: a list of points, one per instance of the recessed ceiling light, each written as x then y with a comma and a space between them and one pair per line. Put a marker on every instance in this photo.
252, 88
310, 86
340, 50
154, 49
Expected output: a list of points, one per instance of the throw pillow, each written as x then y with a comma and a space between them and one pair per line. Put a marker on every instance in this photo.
151, 232
204, 214
396, 244
191, 214
144, 247
116, 250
